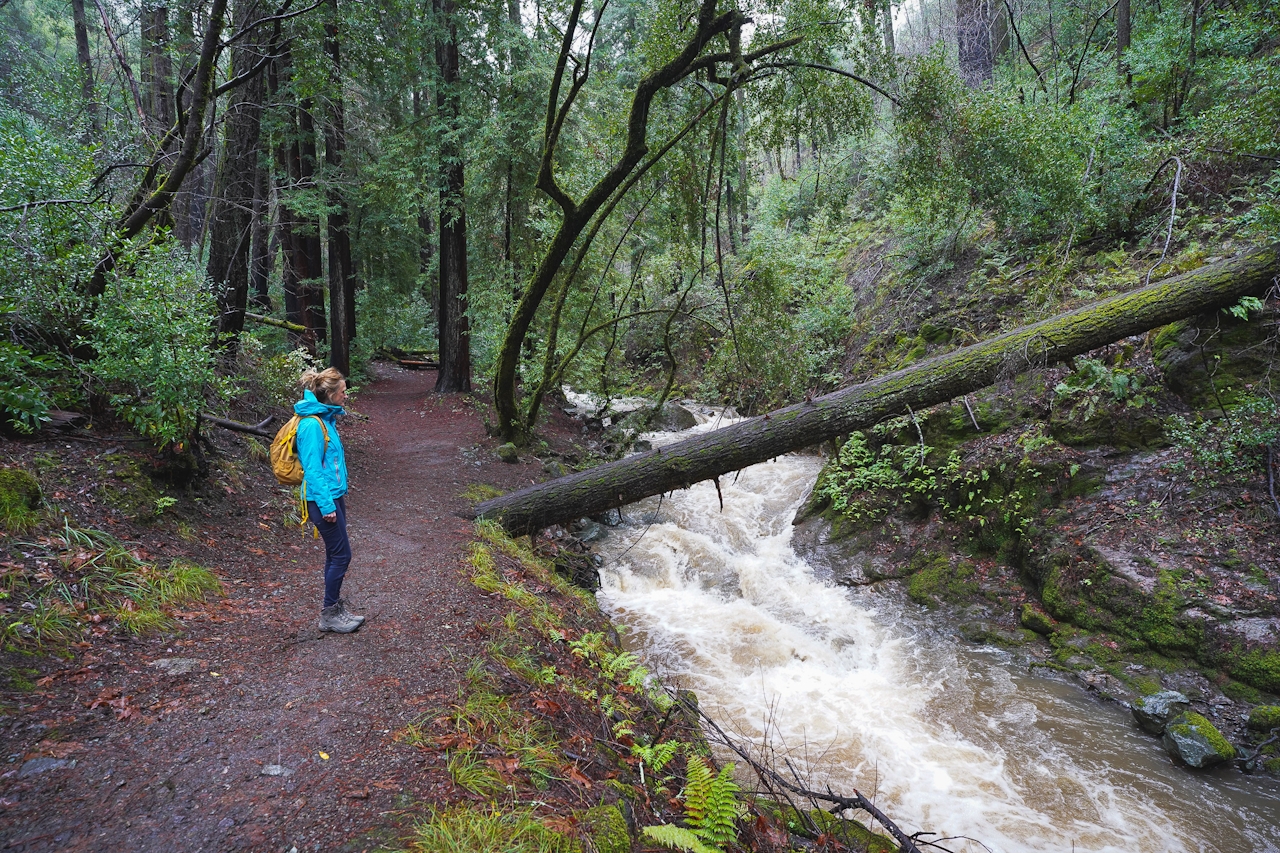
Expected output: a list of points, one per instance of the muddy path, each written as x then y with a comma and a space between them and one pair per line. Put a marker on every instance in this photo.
168, 742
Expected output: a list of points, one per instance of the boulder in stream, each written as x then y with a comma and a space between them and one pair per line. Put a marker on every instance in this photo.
1195, 741
1154, 712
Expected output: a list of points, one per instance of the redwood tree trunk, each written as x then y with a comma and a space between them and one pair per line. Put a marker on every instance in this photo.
85, 61
342, 296
861, 406
455, 334
232, 208
973, 34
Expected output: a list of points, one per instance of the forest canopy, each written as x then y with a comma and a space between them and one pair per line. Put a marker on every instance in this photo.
747, 202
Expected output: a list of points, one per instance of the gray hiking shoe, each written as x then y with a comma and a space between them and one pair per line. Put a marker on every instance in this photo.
333, 619
342, 608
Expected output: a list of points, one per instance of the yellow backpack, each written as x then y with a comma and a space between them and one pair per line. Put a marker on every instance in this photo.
284, 451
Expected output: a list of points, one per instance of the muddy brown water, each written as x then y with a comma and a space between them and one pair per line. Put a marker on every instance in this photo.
861, 690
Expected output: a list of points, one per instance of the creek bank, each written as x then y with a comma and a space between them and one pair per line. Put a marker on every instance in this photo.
1090, 516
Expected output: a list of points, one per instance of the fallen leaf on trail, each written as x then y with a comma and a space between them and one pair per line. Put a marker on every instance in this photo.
576, 775
264, 526
357, 794
504, 765
324, 756
104, 697
258, 551
547, 706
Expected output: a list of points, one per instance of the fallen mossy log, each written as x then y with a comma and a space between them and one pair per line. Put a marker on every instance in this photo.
928, 383
272, 321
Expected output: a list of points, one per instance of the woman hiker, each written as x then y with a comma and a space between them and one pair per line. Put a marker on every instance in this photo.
324, 486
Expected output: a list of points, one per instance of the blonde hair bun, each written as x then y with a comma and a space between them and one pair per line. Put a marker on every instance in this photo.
322, 383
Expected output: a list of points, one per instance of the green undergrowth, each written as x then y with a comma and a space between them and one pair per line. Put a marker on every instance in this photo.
75, 582
559, 739
469, 828
20, 500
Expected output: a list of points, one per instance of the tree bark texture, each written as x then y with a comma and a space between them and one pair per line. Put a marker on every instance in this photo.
303, 249
861, 406
973, 37
342, 296
454, 374
231, 213
260, 247
157, 68
85, 60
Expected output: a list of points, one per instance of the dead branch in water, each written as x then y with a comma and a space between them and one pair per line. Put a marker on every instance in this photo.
906, 843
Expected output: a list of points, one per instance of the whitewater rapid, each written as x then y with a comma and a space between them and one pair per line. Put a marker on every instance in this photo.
862, 691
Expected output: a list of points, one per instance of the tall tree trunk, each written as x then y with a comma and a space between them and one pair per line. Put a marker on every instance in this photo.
342, 296
973, 36
1124, 37
85, 60
454, 374
861, 406
157, 68
260, 253
299, 236
232, 209
308, 263
426, 226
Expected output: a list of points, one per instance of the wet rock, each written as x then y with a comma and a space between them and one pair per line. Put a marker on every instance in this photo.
555, 468
1195, 741
992, 634
641, 445
177, 666
1264, 718
43, 765
591, 531
1154, 712
675, 417
508, 453
1036, 620
1107, 686
276, 770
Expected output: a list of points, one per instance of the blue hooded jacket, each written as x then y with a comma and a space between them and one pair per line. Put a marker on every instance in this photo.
324, 469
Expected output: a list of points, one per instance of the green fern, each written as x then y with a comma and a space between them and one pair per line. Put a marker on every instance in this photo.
711, 802
677, 838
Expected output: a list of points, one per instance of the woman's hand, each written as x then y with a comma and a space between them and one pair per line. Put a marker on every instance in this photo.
331, 517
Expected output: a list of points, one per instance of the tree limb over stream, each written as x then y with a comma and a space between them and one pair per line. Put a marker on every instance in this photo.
928, 383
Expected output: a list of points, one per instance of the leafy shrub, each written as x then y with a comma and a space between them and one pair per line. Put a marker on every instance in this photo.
1230, 449
23, 404
270, 380
153, 331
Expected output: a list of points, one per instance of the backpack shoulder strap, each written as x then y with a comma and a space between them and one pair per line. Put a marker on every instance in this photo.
325, 430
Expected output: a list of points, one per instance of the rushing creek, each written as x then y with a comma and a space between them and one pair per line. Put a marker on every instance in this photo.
858, 687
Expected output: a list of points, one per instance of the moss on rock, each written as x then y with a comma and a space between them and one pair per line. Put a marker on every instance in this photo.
1196, 741
20, 500
1035, 619
607, 828
1258, 667
132, 493
1264, 718
934, 580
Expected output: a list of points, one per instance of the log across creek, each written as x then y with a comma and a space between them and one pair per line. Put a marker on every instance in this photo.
928, 383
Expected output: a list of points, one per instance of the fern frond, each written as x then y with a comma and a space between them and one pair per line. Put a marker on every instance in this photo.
697, 790
677, 838
719, 825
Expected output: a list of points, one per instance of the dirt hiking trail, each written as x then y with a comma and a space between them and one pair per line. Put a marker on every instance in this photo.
166, 743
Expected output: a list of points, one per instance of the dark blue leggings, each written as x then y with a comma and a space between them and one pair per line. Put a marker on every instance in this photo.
337, 548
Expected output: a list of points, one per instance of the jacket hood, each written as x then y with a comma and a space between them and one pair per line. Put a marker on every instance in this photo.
309, 405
